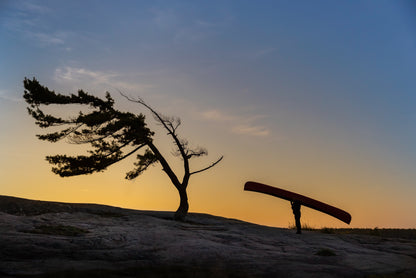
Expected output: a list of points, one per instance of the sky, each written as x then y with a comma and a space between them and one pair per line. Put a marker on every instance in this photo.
315, 97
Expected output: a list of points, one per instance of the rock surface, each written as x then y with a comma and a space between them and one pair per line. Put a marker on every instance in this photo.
45, 239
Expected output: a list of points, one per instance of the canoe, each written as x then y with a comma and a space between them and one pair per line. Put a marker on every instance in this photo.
303, 200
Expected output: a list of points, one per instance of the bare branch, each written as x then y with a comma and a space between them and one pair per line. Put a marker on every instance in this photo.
128, 154
168, 125
212, 165
120, 147
196, 152
160, 118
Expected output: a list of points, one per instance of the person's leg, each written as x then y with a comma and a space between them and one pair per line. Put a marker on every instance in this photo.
296, 212
297, 219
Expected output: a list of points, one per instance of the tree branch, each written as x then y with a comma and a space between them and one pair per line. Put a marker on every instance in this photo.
196, 152
171, 129
127, 155
165, 165
209, 167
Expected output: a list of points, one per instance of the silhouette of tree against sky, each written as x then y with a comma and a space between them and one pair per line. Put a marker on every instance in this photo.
112, 135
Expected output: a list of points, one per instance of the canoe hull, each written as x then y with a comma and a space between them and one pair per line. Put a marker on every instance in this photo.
303, 200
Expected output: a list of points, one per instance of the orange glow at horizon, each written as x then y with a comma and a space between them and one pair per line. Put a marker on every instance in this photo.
218, 191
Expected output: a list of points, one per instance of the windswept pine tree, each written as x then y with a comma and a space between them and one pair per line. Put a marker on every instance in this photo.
112, 136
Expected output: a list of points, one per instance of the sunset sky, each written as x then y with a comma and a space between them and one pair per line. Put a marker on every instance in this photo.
315, 97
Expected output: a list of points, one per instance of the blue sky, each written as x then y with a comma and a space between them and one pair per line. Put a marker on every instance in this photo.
322, 90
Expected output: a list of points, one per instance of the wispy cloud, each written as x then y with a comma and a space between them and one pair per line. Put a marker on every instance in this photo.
77, 74
251, 130
7, 97
31, 7
238, 124
28, 21
265, 52
184, 31
216, 115
45, 39
164, 18
81, 76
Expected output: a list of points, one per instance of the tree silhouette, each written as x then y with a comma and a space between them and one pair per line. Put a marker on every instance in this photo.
112, 135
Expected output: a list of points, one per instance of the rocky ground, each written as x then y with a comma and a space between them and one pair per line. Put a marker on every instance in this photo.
44, 239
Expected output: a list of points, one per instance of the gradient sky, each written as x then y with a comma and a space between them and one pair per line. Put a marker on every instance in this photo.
316, 97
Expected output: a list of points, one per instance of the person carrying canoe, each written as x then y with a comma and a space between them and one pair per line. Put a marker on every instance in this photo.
296, 212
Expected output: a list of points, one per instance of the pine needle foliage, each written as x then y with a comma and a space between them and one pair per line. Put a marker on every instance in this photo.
107, 130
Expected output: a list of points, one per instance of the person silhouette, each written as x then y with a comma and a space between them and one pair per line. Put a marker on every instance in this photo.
296, 211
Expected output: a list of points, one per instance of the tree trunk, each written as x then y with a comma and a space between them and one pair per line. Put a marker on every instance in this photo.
182, 211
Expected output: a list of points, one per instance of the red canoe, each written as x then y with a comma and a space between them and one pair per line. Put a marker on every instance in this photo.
303, 200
